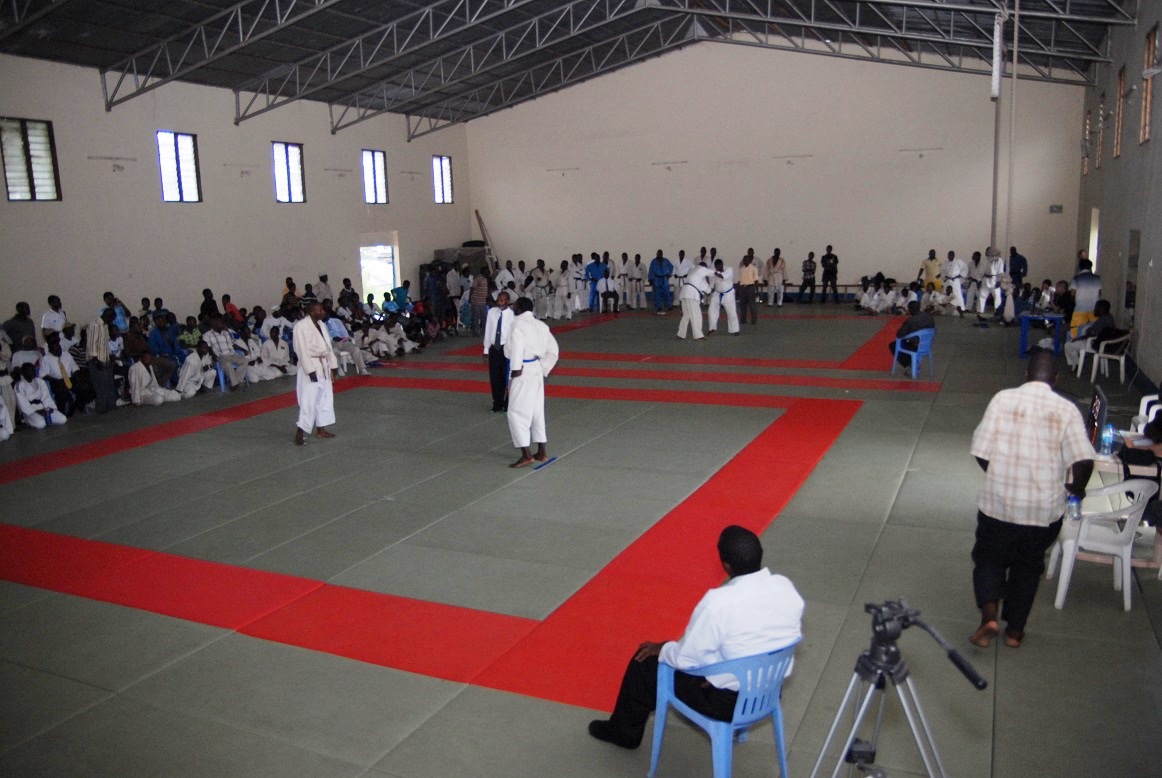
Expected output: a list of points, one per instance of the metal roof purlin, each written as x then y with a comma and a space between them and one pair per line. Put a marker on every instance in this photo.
375, 48
18, 16
647, 41
222, 34
480, 57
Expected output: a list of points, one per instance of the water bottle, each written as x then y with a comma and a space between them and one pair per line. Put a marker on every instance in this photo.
1073, 508
1107, 440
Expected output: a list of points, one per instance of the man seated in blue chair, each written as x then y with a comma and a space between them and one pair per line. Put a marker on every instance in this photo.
752, 613
917, 320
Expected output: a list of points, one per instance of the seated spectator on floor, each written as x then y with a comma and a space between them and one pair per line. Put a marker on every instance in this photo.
753, 613
60, 372
190, 333
143, 386
231, 312
371, 310
6, 425
221, 343
54, 319
197, 373
256, 321
1101, 329
256, 368
7, 374
276, 353
20, 326
37, 408
372, 347
397, 340
917, 320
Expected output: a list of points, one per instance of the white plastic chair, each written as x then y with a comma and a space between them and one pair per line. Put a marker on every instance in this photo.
1147, 409
1108, 351
1110, 532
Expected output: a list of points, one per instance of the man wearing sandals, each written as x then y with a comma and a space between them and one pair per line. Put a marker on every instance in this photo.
1027, 442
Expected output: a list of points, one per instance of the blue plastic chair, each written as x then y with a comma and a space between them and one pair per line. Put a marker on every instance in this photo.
923, 349
760, 680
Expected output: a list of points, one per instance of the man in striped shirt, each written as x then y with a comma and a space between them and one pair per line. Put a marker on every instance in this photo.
1028, 440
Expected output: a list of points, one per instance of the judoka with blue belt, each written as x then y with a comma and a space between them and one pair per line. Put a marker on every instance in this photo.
532, 353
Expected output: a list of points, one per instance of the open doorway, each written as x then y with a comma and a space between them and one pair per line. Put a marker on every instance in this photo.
1133, 250
377, 265
1094, 221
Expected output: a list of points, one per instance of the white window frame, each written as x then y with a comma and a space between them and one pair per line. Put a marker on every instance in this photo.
177, 157
290, 181
442, 179
375, 177
28, 148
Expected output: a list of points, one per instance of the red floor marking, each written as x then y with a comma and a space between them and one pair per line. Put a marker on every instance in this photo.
589, 320
442, 641
871, 384
874, 355
115, 444
648, 591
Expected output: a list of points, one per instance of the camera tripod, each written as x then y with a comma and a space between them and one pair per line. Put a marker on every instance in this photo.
880, 663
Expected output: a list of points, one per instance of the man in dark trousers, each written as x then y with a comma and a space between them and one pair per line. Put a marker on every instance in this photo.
1027, 441
917, 320
496, 329
752, 613
830, 264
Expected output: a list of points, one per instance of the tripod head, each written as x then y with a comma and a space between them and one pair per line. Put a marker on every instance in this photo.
890, 619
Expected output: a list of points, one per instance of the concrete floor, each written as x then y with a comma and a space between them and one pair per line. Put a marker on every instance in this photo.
414, 499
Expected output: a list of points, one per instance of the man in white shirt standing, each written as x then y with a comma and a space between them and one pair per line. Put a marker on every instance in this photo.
754, 612
496, 329
317, 367
532, 353
54, 319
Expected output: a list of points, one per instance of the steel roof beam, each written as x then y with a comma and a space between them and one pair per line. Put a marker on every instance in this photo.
16, 16
401, 91
375, 48
572, 68
222, 34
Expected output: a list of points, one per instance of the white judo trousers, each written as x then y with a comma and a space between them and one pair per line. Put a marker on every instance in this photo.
697, 283
533, 350
726, 301
316, 398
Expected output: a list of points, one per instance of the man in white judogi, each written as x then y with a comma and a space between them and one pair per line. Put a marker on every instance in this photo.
635, 276
955, 273
991, 280
35, 400
317, 366
197, 372
276, 353
682, 270
532, 353
774, 273
696, 284
722, 296
143, 386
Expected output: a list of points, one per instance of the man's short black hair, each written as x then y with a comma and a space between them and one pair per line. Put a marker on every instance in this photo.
740, 548
1101, 307
522, 305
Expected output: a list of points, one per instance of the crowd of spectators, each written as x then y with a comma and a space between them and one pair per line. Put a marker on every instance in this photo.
149, 357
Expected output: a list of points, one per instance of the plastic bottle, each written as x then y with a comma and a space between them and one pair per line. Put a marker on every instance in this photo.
1107, 440
1073, 508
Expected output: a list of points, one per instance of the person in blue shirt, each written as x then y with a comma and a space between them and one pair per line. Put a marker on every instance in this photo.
594, 272
659, 275
164, 344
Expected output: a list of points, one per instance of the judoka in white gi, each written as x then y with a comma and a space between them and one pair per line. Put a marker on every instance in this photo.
994, 265
143, 386
35, 400
696, 284
532, 353
317, 366
197, 372
722, 296
955, 273
635, 290
276, 353
5, 421
256, 368
774, 273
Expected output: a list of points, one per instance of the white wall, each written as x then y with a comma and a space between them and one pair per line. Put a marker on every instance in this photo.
1126, 191
111, 231
726, 113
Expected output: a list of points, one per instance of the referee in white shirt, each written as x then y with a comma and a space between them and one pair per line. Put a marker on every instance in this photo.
496, 329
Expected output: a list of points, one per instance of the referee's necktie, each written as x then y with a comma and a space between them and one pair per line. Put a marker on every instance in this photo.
499, 319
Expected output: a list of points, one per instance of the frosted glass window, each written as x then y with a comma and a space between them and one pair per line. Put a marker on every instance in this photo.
288, 172
30, 165
442, 179
374, 176
177, 154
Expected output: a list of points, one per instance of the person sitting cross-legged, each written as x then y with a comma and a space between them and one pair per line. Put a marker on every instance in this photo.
197, 373
276, 353
752, 613
143, 386
35, 400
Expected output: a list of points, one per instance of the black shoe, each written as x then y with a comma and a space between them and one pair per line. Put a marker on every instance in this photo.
603, 730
